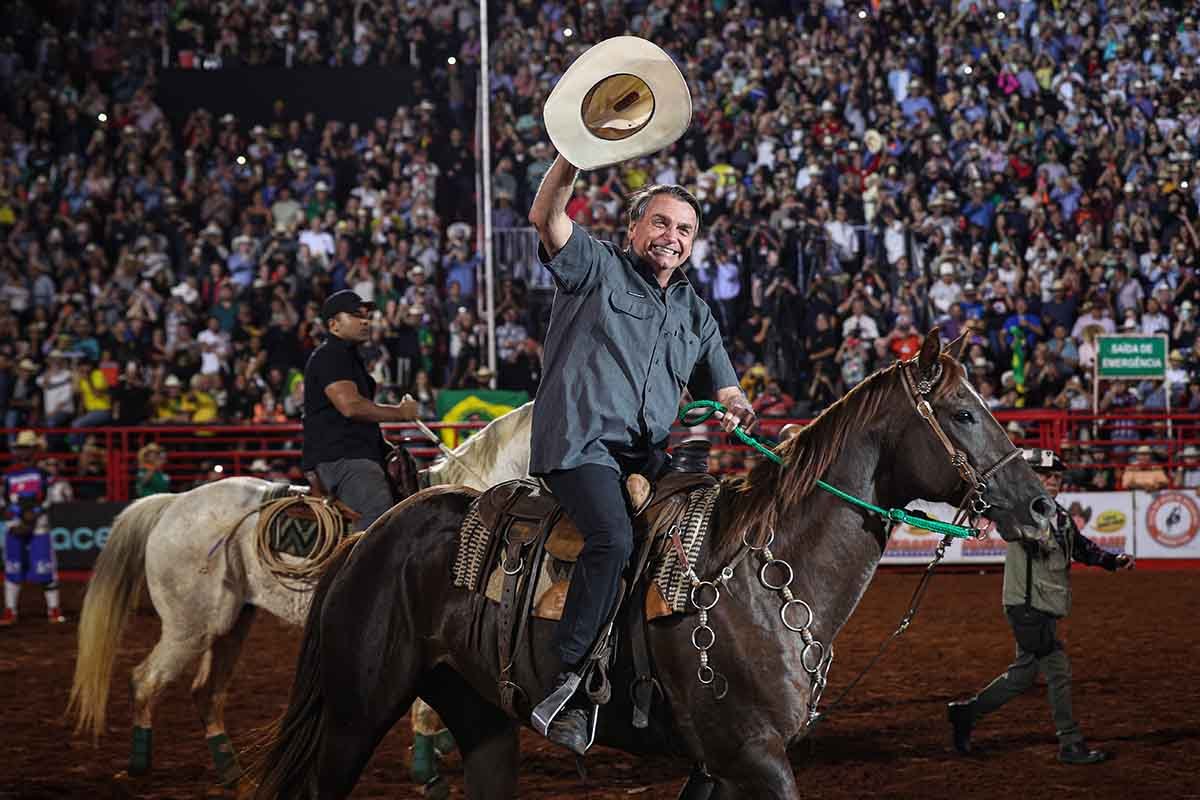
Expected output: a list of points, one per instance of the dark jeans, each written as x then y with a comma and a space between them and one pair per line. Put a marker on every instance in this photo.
359, 483
593, 497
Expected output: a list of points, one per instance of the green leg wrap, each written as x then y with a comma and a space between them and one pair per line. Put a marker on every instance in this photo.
424, 760
443, 742
143, 746
225, 759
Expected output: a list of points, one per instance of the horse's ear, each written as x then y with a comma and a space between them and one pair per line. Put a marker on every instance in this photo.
956, 348
931, 350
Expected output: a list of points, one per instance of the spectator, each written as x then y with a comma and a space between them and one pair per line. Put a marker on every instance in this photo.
859, 325
1187, 474
151, 478
773, 402
23, 406
1027, 183
95, 400
1143, 472
510, 336
58, 384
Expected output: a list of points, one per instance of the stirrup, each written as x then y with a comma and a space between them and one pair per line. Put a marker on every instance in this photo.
595, 720
545, 711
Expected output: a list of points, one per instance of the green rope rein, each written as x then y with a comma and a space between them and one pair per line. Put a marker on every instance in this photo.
701, 410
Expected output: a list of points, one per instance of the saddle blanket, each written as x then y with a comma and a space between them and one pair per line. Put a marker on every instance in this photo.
293, 531
668, 591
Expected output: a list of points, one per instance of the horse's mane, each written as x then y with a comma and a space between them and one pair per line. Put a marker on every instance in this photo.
483, 450
759, 499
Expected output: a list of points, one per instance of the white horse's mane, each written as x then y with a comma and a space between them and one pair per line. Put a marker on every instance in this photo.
498, 452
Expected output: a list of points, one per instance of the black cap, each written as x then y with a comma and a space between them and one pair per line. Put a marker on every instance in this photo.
346, 300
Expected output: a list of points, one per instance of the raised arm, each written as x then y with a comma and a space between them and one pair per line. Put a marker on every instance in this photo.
549, 210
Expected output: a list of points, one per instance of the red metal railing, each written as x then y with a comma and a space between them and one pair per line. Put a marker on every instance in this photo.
1102, 441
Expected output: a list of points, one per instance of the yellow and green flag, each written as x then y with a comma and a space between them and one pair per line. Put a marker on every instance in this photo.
474, 405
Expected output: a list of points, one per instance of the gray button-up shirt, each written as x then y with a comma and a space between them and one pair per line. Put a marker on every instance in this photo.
618, 354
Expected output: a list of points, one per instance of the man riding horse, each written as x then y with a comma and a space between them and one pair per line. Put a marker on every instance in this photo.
343, 444
627, 334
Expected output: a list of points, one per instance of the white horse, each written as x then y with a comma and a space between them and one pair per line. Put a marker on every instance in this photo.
207, 594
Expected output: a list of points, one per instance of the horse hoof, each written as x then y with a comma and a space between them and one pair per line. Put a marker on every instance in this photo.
436, 789
122, 786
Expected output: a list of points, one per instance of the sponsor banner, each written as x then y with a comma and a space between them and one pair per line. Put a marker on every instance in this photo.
1168, 524
1106, 518
78, 532
914, 546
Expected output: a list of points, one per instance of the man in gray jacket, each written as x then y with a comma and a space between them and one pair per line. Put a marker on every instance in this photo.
1037, 593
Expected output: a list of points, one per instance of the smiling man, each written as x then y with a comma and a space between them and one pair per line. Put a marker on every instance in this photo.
342, 440
627, 335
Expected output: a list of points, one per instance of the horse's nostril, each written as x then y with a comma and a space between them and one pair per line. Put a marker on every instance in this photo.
1042, 506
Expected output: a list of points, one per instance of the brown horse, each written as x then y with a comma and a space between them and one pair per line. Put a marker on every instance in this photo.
387, 624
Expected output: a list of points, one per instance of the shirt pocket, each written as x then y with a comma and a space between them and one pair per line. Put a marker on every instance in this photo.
628, 321
625, 303
683, 351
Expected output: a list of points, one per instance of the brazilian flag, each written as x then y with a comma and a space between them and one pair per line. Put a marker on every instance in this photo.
474, 405
1018, 360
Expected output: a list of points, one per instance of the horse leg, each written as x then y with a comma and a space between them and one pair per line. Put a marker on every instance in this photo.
486, 737
210, 689
760, 769
700, 785
357, 714
169, 658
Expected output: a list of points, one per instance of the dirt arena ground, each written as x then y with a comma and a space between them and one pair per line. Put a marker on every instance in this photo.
1132, 640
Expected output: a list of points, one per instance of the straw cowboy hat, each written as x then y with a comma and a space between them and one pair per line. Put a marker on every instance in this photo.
873, 140
27, 439
622, 99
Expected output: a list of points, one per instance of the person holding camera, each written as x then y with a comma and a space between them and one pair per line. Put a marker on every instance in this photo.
1037, 594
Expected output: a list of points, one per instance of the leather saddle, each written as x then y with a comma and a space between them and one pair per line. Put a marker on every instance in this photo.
316, 491
523, 511
528, 548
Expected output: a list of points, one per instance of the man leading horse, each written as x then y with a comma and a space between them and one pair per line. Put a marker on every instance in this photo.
627, 334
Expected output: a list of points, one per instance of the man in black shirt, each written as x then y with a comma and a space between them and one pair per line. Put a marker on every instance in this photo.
342, 440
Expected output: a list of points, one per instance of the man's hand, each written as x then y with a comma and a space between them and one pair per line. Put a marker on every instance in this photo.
409, 408
1125, 561
738, 410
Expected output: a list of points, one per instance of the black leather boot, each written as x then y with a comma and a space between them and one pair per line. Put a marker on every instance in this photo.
1078, 753
561, 716
570, 729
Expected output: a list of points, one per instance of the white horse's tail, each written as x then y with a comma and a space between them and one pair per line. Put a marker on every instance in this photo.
116, 580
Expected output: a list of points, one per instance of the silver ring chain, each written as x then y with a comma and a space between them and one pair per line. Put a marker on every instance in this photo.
817, 667
704, 637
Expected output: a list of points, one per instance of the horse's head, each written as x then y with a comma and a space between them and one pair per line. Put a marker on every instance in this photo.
956, 452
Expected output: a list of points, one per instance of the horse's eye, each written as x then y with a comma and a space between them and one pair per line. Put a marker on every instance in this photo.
963, 416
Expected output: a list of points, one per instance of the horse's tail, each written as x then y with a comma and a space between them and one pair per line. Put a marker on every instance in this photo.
116, 580
288, 748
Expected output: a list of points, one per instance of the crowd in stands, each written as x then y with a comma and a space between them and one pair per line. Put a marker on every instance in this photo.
1022, 173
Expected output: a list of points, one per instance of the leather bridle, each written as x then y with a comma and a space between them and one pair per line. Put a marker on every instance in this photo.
973, 505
